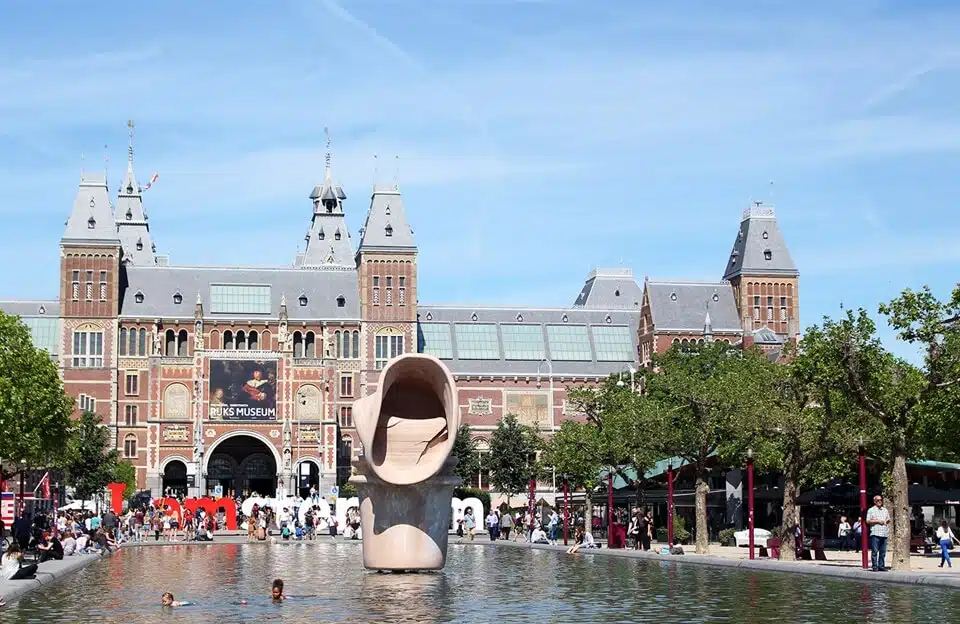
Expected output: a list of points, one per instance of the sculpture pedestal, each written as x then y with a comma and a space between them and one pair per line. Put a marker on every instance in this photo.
405, 527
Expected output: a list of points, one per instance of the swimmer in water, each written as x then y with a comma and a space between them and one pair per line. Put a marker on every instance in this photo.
167, 601
276, 592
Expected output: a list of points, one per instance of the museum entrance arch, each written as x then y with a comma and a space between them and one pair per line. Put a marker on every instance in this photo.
175, 478
308, 476
242, 465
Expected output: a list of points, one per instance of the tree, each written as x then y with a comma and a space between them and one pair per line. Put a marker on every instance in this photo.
512, 462
465, 450
908, 402
124, 472
578, 452
34, 411
88, 463
705, 400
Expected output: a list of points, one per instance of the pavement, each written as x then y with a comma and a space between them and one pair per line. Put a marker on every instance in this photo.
48, 572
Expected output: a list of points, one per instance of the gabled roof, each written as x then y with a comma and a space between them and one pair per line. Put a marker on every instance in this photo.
131, 219
386, 227
683, 306
610, 289
322, 287
759, 248
91, 219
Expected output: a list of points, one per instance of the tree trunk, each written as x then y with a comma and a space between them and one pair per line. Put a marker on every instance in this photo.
588, 510
786, 534
703, 531
898, 546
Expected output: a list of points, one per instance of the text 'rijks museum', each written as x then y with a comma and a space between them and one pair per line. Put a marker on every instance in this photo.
244, 378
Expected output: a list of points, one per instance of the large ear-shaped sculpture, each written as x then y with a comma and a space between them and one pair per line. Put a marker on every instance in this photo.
408, 426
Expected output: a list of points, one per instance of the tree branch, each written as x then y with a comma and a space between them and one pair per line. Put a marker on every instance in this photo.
856, 386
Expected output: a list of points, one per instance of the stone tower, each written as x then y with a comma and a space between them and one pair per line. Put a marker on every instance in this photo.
764, 278
90, 252
328, 239
132, 227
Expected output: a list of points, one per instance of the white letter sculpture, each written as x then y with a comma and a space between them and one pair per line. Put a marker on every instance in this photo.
405, 475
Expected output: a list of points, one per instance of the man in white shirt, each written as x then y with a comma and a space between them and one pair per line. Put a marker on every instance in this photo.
878, 520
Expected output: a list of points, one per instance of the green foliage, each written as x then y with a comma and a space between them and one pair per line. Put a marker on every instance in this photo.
34, 411
124, 472
347, 490
464, 493
465, 450
578, 453
680, 531
513, 461
89, 463
726, 535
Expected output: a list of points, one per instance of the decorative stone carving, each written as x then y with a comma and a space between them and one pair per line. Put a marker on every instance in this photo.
405, 474
308, 434
480, 407
309, 402
175, 433
274, 434
176, 402
211, 433
157, 342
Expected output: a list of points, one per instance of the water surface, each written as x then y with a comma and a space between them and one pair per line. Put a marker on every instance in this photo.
479, 584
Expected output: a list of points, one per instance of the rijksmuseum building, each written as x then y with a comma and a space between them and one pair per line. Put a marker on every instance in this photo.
239, 380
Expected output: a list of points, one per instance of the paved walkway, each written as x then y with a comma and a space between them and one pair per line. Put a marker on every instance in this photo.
924, 570
47, 572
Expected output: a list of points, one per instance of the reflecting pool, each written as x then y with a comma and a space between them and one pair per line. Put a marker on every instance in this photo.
480, 584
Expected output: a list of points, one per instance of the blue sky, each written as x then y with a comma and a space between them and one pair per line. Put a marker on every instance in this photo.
536, 139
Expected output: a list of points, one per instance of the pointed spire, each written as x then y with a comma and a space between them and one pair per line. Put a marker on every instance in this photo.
328, 214
130, 125
707, 326
327, 158
138, 246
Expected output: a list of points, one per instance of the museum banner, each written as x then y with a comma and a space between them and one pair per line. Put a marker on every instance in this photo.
243, 390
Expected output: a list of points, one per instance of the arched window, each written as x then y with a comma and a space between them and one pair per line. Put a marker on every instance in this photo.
241, 340
170, 346
228, 339
356, 344
346, 447
338, 352
123, 341
132, 345
265, 341
130, 445
182, 343
253, 340
297, 344
142, 350
309, 346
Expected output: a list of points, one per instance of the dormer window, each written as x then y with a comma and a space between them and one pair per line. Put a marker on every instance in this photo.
138, 297
765, 235
608, 319
336, 235
129, 189
673, 296
330, 205
178, 298
91, 223
302, 301
767, 254
341, 301
129, 215
716, 297
139, 244
519, 318
388, 230
41, 310
473, 317
616, 293
429, 316
564, 318
387, 211
321, 235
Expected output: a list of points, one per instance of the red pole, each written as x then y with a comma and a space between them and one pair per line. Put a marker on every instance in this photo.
750, 497
863, 507
530, 504
566, 510
609, 508
670, 505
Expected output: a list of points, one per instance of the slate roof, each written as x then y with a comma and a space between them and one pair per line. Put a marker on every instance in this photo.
131, 219
683, 306
328, 240
31, 307
610, 289
536, 317
160, 284
759, 248
386, 226
41, 318
91, 219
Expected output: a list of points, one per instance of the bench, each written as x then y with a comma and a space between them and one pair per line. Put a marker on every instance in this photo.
920, 544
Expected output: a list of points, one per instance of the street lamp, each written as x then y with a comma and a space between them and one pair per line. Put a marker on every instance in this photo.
750, 496
863, 503
23, 470
670, 504
633, 386
566, 507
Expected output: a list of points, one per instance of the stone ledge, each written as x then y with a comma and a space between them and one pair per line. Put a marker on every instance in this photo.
48, 572
760, 565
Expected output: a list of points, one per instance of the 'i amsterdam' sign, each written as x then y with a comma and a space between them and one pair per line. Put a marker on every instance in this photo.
243, 390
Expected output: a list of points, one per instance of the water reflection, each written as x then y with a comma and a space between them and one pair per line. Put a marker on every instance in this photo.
327, 583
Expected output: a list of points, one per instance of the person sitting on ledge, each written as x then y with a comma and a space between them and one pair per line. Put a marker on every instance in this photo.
539, 537
12, 568
50, 548
167, 600
676, 549
584, 540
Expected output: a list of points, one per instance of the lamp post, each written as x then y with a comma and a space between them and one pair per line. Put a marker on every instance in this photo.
750, 497
863, 504
633, 386
23, 470
609, 508
530, 503
670, 504
566, 509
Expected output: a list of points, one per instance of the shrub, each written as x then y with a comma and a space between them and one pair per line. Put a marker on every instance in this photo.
680, 531
347, 490
726, 536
